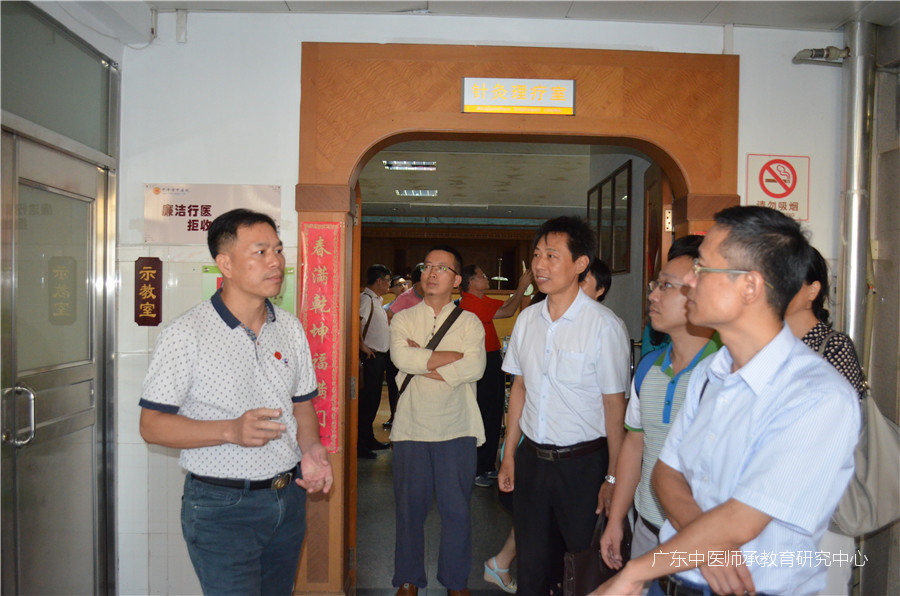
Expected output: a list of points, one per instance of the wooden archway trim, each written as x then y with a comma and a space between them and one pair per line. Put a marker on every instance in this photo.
680, 109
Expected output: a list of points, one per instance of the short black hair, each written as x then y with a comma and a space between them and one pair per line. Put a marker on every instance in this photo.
467, 273
817, 270
600, 270
582, 241
416, 276
397, 278
686, 246
223, 229
457, 258
765, 240
376, 272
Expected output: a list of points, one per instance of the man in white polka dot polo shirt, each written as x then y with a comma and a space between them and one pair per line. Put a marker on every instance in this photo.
230, 384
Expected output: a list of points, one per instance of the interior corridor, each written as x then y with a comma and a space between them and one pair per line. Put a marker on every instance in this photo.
375, 527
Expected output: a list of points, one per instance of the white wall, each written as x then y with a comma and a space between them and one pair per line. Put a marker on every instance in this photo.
224, 108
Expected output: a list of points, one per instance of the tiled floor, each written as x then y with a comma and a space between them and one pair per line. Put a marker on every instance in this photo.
491, 524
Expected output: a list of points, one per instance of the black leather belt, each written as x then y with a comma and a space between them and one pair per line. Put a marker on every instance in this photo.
553, 453
275, 483
651, 527
672, 586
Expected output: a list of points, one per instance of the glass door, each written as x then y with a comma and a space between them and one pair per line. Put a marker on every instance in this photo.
53, 518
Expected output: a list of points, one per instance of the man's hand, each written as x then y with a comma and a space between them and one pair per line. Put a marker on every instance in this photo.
611, 543
316, 469
604, 498
433, 374
255, 428
729, 579
369, 352
506, 477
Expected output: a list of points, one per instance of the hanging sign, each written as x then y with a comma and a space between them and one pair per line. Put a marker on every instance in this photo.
181, 213
320, 310
518, 96
148, 291
780, 182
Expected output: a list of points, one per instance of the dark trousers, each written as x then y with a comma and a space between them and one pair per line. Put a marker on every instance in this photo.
370, 396
393, 390
554, 512
423, 470
490, 393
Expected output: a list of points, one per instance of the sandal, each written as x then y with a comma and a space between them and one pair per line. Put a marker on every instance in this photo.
492, 575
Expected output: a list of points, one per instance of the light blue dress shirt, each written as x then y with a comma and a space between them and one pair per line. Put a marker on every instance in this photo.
777, 435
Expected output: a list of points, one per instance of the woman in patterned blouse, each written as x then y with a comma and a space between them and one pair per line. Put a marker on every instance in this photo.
809, 320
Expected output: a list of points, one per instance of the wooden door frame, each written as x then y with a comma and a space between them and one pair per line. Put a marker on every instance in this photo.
681, 110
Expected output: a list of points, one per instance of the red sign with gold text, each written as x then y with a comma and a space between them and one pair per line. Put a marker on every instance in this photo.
320, 250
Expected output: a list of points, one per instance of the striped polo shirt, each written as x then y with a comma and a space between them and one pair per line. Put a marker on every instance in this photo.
652, 411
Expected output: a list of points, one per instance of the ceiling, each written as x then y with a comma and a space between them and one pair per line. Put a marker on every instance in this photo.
823, 15
512, 183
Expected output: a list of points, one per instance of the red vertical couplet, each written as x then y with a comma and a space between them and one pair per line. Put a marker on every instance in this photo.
320, 251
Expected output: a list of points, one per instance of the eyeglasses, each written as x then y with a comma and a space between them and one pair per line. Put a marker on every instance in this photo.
662, 286
428, 268
698, 270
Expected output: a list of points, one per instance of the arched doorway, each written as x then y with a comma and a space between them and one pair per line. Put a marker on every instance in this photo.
679, 109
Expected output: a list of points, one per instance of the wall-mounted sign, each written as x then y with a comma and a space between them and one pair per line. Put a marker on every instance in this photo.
181, 213
62, 291
320, 313
518, 96
148, 291
212, 281
780, 182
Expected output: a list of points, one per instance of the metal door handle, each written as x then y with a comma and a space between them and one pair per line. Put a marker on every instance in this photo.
12, 437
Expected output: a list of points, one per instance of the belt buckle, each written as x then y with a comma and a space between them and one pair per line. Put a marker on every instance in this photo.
548, 454
279, 482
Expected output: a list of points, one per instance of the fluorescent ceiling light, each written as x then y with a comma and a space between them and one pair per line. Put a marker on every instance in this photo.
419, 166
416, 193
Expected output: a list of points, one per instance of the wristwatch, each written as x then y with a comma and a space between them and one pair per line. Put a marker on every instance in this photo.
610, 478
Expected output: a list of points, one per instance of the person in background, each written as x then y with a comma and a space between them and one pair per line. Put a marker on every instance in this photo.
374, 341
437, 428
657, 393
809, 320
399, 284
230, 383
410, 297
755, 461
571, 361
598, 280
491, 388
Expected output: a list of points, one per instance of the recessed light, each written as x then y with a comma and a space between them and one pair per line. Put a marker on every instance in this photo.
419, 166
416, 193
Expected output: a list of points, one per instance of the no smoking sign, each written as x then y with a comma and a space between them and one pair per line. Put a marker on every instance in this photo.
780, 182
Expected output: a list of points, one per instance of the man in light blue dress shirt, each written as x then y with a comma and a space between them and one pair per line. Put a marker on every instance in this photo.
762, 450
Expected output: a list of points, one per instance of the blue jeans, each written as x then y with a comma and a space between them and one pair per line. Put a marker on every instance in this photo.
243, 542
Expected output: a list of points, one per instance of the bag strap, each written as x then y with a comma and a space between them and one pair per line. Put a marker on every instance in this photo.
435, 340
369, 321
821, 349
644, 366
